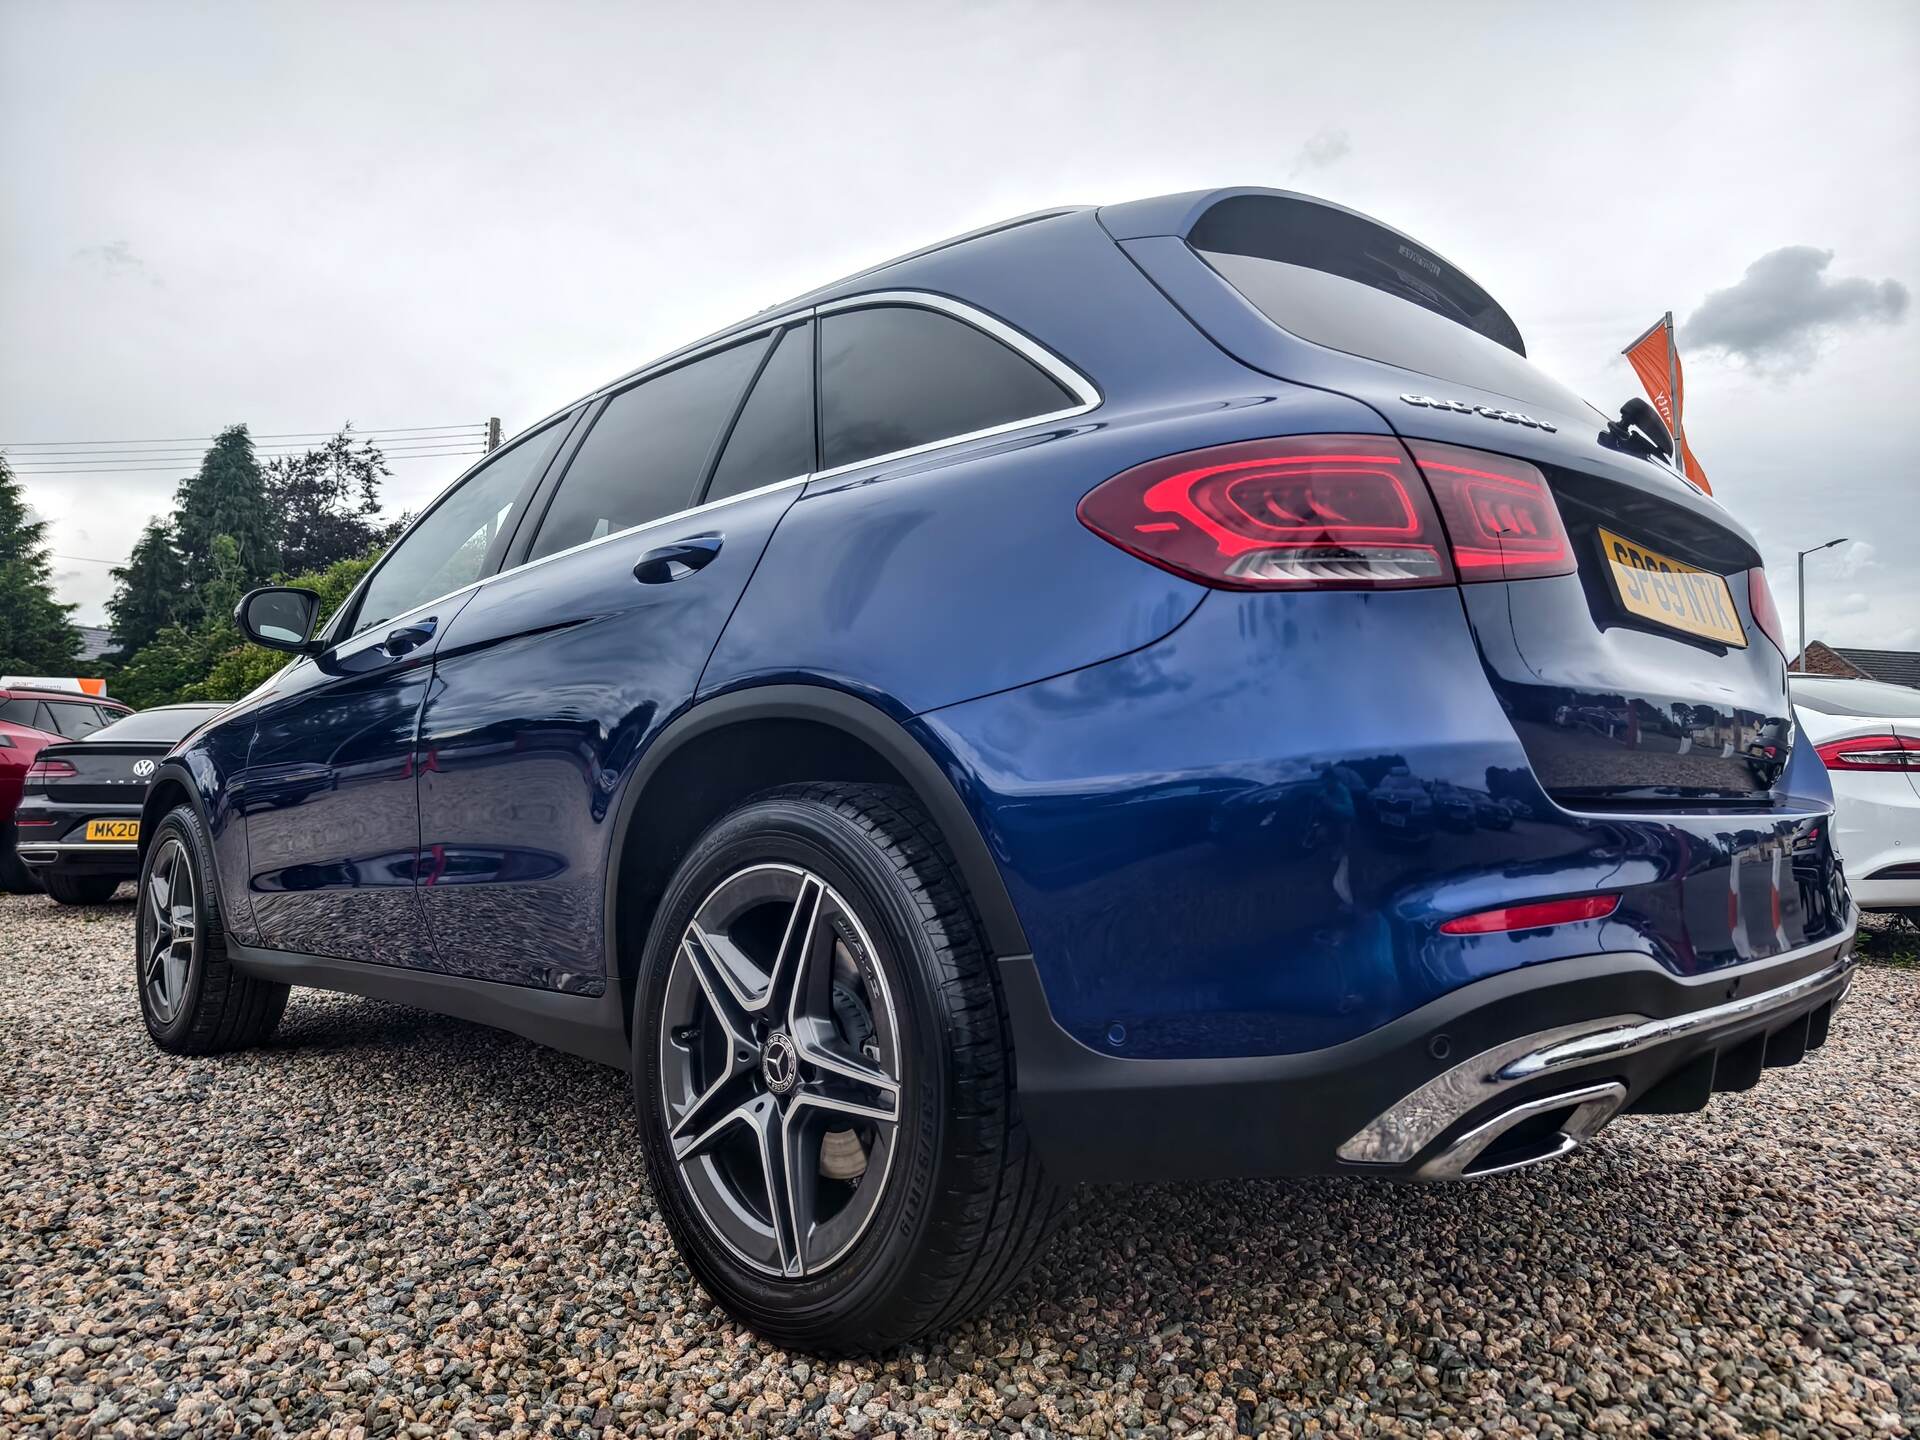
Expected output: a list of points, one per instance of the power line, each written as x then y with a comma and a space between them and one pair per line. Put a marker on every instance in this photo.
417, 442
56, 472
209, 439
128, 451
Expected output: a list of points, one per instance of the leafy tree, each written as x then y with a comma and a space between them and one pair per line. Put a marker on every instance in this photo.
227, 497
150, 590
326, 500
36, 635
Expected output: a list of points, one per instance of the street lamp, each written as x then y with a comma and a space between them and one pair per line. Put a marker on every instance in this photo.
1801, 582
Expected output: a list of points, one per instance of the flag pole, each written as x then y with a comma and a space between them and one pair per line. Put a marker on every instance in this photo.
1673, 401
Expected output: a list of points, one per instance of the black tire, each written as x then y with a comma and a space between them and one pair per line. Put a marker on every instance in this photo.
213, 1006
16, 876
965, 1204
81, 889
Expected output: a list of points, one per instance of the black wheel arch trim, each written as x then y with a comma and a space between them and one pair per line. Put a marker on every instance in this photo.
171, 770
861, 720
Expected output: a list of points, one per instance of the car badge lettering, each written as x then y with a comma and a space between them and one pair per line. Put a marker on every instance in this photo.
1488, 412
143, 768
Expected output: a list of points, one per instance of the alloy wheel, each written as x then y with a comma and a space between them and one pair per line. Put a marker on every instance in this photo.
780, 1068
168, 953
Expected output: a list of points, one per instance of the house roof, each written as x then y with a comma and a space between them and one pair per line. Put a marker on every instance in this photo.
1896, 667
95, 641
1893, 667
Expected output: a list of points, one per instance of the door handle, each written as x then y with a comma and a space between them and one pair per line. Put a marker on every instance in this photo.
408, 637
678, 560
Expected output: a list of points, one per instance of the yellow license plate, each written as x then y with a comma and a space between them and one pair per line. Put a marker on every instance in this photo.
1659, 588
123, 831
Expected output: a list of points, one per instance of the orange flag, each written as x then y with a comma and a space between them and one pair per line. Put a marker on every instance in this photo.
1656, 360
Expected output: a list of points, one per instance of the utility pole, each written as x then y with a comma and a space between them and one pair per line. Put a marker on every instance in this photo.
493, 433
1801, 588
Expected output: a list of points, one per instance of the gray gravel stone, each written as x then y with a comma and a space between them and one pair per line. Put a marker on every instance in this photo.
387, 1223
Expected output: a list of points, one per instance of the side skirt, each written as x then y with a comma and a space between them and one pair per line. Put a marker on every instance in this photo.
590, 1026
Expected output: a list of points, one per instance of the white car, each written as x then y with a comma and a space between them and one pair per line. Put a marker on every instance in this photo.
1869, 736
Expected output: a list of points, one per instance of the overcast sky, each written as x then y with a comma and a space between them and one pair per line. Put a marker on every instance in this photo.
409, 214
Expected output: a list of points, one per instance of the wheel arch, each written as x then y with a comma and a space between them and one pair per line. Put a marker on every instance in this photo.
740, 743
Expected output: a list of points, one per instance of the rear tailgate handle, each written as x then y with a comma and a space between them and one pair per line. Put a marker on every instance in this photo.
678, 560
409, 637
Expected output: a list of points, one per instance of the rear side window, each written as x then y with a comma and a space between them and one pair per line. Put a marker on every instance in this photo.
773, 438
647, 454
73, 720
894, 377
1344, 282
19, 712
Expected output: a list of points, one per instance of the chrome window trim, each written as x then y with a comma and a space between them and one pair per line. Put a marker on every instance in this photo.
1086, 394
1087, 397
675, 517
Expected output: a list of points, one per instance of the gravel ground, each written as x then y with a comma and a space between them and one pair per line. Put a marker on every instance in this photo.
389, 1223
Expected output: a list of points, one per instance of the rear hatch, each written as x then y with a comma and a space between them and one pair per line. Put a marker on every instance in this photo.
105, 773
1631, 683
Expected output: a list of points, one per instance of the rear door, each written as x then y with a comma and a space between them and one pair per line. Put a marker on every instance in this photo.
550, 684
329, 794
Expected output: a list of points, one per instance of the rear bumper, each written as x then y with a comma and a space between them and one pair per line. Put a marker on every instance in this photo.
1520, 1067
58, 845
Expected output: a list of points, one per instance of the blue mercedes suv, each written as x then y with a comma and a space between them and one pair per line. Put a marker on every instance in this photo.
1159, 690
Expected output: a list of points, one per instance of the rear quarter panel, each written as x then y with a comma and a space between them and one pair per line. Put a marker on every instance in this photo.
924, 581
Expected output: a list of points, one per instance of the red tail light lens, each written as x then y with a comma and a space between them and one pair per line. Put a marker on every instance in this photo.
1342, 512
1766, 614
1334, 512
1871, 752
1499, 514
1531, 917
51, 770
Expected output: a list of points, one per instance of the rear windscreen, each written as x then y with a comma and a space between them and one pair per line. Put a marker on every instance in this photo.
167, 724
1349, 284
1867, 698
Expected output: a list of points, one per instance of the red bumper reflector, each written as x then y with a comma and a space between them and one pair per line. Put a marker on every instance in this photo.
1531, 917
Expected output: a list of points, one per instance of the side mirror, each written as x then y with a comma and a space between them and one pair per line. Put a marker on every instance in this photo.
278, 617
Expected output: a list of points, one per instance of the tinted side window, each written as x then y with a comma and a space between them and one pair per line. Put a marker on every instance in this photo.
894, 376
17, 712
447, 549
647, 454
773, 438
75, 720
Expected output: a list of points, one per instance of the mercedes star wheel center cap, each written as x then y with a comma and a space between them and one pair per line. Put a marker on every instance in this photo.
779, 1063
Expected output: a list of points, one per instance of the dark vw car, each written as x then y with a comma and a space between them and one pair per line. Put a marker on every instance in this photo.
941, 735
79, 817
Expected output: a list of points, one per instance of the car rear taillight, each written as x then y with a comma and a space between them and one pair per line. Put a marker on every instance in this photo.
1766, 614
1531, 917
1344, 512
1498, 512
1334, 512
1871, 752
51, 770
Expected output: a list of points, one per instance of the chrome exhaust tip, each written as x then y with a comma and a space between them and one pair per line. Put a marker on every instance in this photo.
1528, 1133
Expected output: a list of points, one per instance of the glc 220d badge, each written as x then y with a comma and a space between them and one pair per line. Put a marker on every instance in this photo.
1512, 417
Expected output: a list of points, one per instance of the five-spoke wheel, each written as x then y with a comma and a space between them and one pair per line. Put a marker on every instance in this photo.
780, 1068
825, 1077
167, 929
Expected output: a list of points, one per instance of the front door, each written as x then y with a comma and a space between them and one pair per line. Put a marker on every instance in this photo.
329, 792
552, 682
